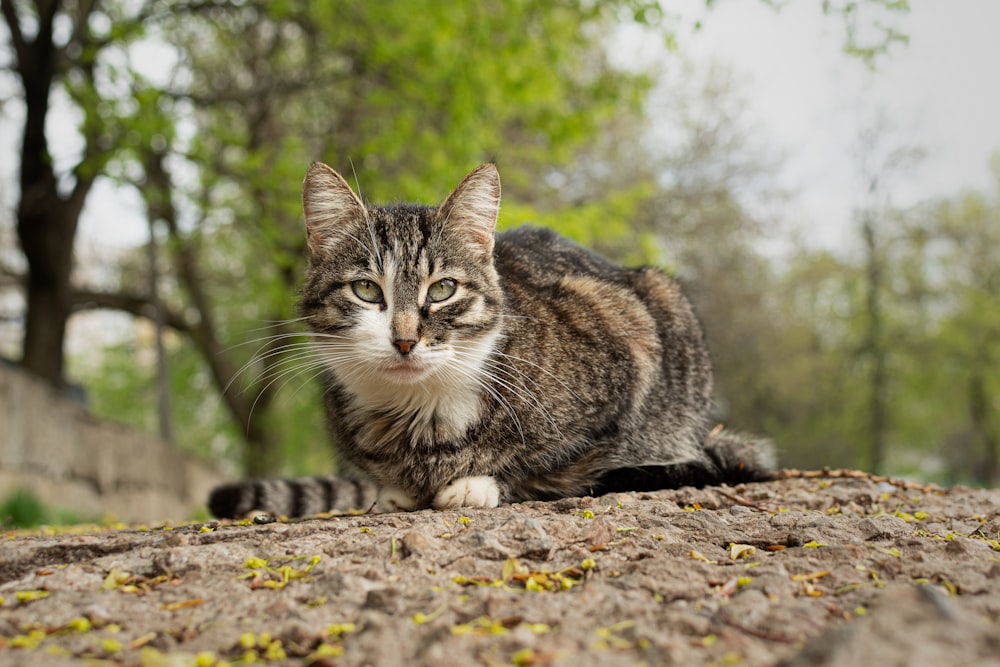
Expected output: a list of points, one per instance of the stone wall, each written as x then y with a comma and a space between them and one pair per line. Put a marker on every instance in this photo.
70, 459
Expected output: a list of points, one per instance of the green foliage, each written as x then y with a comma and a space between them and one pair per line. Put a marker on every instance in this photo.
790, 358
797, 380
606, 224
870, 28
949, 368
121, 388
23, 509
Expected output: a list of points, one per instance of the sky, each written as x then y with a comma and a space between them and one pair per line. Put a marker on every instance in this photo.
939, 93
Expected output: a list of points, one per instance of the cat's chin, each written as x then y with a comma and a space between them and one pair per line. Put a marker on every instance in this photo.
406, 373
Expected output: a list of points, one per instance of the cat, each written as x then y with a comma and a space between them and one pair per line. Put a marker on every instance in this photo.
468, 368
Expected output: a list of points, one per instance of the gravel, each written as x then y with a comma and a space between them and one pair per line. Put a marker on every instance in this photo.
816, 569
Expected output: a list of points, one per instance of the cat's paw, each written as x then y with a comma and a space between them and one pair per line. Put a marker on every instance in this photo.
469, 492
394, 499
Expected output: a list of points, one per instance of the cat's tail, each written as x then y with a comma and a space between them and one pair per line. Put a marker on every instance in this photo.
291, 497
739, 457
731, 458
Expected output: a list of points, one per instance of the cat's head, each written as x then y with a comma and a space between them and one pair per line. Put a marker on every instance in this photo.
398, 294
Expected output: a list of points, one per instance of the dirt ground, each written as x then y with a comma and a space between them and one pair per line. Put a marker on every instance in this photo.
841, 570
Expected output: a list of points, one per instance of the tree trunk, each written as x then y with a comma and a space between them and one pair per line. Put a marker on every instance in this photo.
46, 222
261, 455
45, 233
983, 436
165, 418
875, 347
47, 242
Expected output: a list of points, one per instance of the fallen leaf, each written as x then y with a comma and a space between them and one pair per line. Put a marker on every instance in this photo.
174, 606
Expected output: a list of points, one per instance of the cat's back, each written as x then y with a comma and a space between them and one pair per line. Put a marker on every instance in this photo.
624, 343
565, 290
533, 260
542, 258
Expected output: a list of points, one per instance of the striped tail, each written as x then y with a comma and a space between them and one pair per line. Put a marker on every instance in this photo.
297, 497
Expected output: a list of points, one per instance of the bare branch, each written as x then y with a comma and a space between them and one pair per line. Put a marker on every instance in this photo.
81, 22
203, 332
134, 304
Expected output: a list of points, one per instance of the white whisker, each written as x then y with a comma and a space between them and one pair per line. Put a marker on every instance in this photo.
542, 369
492, 391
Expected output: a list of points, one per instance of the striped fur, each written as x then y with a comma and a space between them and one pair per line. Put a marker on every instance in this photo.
463, 367
292, 497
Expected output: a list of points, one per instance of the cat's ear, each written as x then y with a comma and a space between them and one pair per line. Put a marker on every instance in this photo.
471, 210
331, 207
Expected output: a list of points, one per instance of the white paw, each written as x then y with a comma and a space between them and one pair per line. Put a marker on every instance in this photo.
469, 492
394, 499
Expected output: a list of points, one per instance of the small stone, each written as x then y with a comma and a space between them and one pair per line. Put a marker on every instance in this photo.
537, 549
414, 543
383, 599
883, 527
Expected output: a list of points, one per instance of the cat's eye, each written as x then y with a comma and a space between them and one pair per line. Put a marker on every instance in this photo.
442, 290
367, 290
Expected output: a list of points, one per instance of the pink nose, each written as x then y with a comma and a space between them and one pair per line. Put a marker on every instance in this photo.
404, 346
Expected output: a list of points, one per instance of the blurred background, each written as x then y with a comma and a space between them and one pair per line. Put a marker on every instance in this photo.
821, 176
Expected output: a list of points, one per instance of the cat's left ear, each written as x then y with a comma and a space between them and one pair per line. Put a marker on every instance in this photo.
471, 210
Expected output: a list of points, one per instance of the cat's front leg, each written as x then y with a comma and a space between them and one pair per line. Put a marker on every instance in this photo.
482, 491
394, 499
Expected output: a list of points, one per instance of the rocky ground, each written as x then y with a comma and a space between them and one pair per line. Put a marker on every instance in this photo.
834, 569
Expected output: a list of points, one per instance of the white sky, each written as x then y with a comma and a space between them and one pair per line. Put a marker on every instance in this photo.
940, 92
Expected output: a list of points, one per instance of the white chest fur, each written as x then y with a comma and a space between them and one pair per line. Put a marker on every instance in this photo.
440, 403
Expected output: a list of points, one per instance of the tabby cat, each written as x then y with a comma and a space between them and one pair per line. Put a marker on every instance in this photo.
468, 368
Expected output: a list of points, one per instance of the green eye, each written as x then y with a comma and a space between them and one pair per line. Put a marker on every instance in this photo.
442, 290
367, 290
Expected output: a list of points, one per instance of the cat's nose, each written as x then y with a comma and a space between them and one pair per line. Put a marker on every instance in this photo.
404, 346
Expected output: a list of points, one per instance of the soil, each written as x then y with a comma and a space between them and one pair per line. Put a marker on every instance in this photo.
834, 568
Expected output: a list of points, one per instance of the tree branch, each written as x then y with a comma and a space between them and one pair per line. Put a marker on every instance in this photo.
14, 26
203, 332
134, 304
81, 22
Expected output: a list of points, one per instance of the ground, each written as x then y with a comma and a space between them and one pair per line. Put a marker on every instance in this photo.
835, 568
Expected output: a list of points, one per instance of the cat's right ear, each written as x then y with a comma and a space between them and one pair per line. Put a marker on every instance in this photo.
471, 210
331, 207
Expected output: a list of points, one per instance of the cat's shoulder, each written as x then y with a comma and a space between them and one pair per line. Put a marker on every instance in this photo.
541, 262
544, 250
527, 234
536, 239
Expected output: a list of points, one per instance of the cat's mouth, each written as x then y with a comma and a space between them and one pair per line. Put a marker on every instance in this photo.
405, 370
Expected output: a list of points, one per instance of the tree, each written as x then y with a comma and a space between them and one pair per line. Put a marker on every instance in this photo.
878, 164
948, 254
71, 50
47, 215
869, 26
